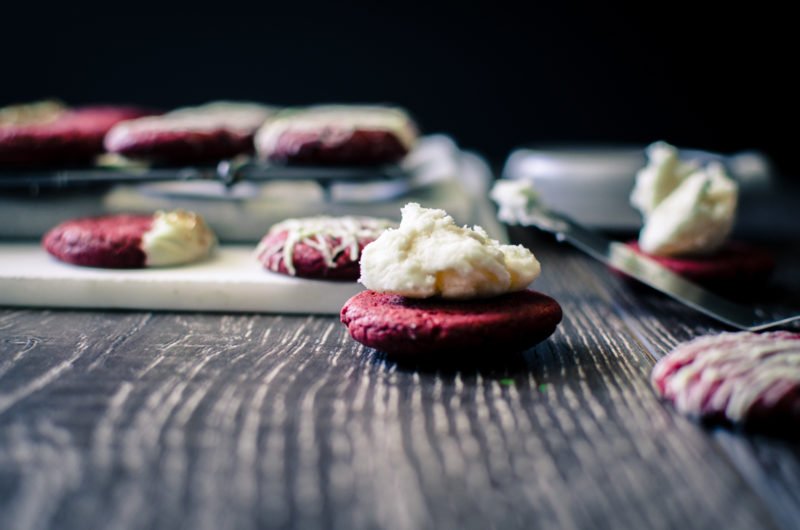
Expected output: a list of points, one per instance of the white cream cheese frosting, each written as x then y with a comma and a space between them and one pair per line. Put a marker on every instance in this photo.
429, 255
177, 237
338, 121
663, 173
514, 198
687, 209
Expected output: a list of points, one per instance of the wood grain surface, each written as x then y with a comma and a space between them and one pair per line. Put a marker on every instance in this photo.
179, 420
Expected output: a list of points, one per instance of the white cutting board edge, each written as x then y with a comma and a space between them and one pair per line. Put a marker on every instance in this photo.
231, 280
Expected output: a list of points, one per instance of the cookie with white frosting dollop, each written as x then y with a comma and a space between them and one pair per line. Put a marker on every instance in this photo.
443, 292
132, 241
689, 211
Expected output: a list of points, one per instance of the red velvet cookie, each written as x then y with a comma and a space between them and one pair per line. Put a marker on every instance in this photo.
337, 136
131, 241
407, 327
193, 135
745, 378
324, 248
111, 242
361, 148
59, 137
734, 265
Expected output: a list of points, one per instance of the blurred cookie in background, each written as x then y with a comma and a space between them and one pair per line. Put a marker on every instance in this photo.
337, 135
192, 135
51, 134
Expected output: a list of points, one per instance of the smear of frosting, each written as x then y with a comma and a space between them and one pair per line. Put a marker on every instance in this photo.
177, 237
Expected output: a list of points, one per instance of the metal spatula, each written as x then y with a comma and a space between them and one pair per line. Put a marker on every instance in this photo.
648, 271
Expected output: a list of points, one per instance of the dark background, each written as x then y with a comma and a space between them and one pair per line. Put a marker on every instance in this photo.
495, 75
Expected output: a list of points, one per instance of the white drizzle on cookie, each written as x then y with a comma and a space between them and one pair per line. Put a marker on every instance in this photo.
730, 372
330, 236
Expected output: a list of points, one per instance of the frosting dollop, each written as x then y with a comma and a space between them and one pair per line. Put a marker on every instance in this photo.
429, 255
177, 237
687, 209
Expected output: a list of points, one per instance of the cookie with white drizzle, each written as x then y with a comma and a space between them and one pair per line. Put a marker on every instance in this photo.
322, 247
744, 378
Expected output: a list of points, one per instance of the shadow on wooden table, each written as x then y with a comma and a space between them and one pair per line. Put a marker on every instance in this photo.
534, 361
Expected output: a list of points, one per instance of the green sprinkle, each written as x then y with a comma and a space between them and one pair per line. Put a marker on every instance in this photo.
507, 381
543, 387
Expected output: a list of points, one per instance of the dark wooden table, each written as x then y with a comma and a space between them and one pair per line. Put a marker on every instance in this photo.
179, 420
